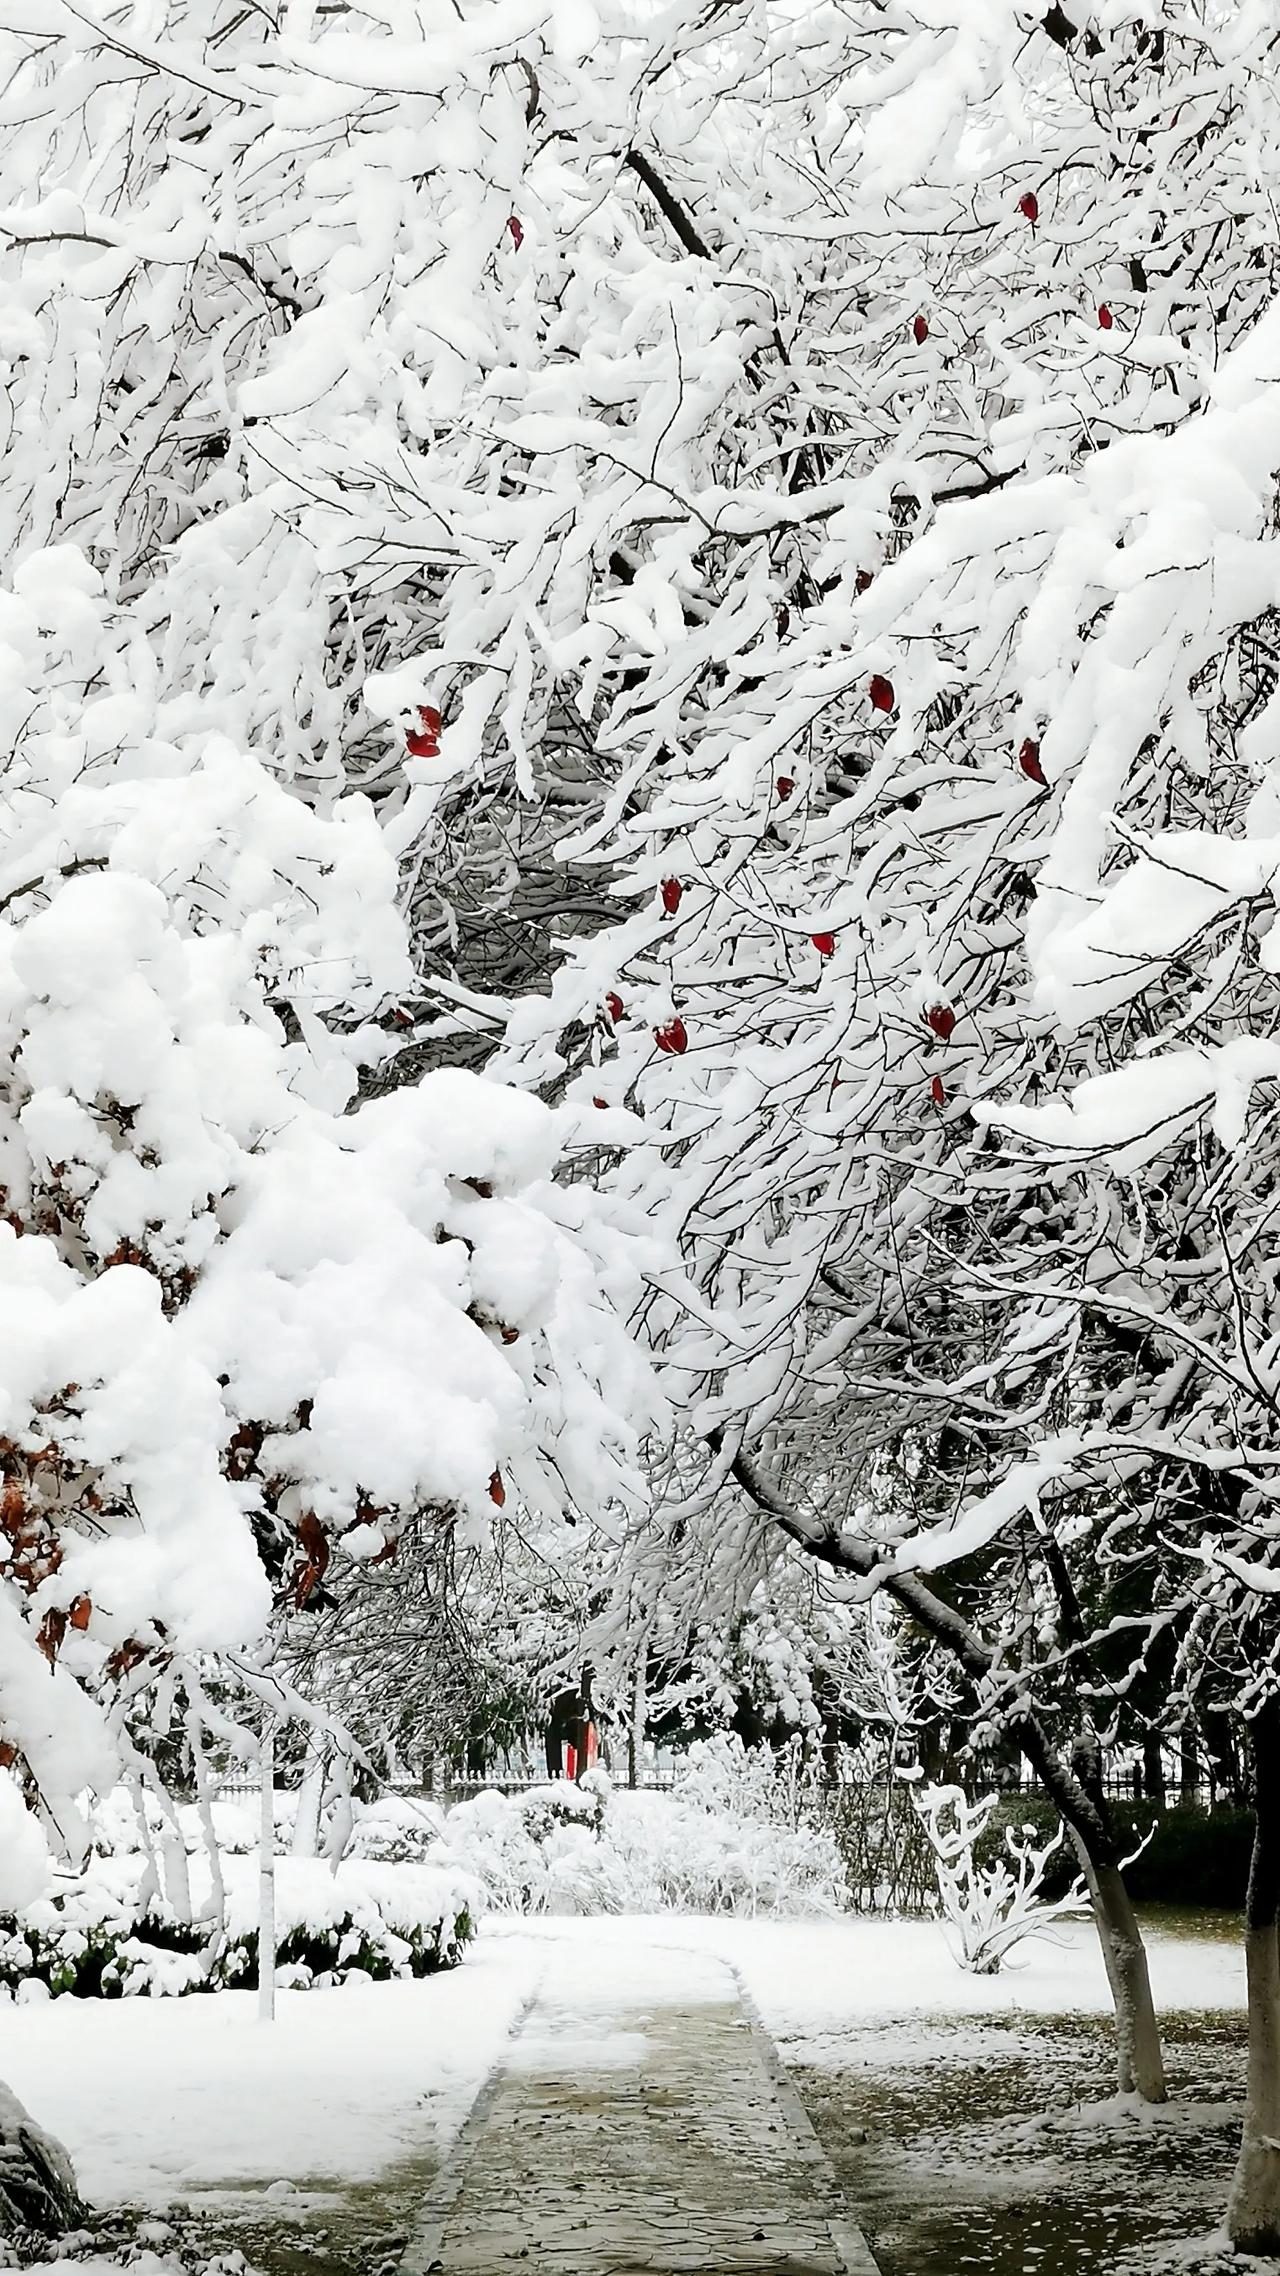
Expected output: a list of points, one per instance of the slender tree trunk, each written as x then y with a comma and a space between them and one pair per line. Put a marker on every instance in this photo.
306, 1824
1153, 1767
639, 1717
1253, 2209
267, 1875
582, 1731
1139, 2056
1080, 1802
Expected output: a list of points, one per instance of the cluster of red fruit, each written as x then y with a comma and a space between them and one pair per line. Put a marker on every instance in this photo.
1029, 208
941, 1020
672, 1036
423, 742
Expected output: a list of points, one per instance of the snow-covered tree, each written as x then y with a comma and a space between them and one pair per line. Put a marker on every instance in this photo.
271, 1299
811, 472
251, 1321
975, 572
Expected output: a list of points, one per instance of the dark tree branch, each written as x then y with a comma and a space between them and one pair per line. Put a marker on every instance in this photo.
946, 1627
65, 869
668, 204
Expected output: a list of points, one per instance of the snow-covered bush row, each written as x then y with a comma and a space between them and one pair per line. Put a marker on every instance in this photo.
394, 1829
587, 1849
104, 1934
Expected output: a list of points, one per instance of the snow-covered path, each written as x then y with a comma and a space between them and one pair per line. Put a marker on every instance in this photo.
639, 2123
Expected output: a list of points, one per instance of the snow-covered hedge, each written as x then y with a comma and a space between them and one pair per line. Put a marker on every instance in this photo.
588, 1849
105, 1934
396, 1830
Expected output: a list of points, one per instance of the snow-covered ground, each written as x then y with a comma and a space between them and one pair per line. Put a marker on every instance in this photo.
164, 2099
159, 2099
817, 1984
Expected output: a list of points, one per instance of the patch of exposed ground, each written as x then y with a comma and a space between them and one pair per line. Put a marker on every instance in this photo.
998, 2148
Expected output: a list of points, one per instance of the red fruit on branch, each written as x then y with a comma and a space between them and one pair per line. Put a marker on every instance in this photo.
784, 786
672, 894
516, 226
942, 1020
615, 1007
937, 1091
1029, 204
673, 1037
599, 1102
421, 745
862, 581
1105, 317
497, 1491
880, 691
920, 331
430, 718
1029, 761
825, 943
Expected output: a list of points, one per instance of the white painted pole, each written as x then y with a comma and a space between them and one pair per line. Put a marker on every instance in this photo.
267, 1875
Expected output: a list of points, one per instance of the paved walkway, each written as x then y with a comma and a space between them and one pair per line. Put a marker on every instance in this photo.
641, 2123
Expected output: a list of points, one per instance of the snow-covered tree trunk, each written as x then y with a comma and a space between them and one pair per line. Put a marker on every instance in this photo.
306, 1824
639, 1714
267, 1875
1076, 1795
1253, 2209
1139, 2056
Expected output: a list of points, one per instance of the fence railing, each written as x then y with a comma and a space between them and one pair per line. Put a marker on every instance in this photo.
1118, 1786
242, 1786
1129, 1786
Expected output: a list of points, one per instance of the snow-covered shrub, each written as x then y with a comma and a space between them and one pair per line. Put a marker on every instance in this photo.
24, 1855
100, 1935
119, 1827
375, 1919
395, 1830
992, 1907
884, 1849
685, 1858
524, 1849
588, 1849
723, 1775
